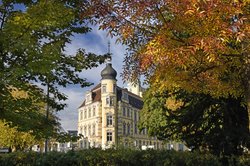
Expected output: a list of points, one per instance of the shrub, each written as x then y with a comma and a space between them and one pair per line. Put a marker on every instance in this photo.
120, 157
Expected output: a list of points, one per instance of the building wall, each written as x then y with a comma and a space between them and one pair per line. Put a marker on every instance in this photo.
89, 123
123, 129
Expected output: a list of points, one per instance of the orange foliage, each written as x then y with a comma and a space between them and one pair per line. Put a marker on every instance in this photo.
197, 45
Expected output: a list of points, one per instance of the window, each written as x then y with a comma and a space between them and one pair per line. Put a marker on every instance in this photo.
135, 128
88, 97
109, 120
80, 130
107, 100
93, 128
85, 114
114, 88
128, 129
85, 144
85, 131
180, 147
124, 111
80, 115
89, 112
143, 131
109, 136
125, 96
128, 112
104, 88
93, 111
135, 116
81, 144
136, 143
110, 101
124, 128
89, 130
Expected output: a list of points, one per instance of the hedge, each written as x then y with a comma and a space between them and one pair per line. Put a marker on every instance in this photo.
121, 157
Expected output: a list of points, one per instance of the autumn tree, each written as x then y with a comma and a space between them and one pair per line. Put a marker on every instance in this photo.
34, 35
199, 46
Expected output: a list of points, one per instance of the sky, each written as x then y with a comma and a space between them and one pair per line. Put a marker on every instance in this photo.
95, 41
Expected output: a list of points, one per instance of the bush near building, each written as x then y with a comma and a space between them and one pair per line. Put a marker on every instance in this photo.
93, 157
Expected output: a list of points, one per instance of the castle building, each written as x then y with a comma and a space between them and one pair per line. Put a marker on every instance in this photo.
109, 115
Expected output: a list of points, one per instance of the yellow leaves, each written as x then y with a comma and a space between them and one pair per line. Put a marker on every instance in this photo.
211, 58
189, 12
18, 94
17, 18
173, 104
10, 136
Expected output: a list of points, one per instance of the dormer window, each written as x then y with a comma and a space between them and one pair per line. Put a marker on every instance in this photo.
125, 96
88, 97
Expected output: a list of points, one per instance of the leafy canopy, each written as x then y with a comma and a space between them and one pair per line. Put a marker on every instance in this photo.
34, 35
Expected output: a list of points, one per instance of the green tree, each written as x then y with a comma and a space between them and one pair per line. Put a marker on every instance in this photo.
33, 38
219, 125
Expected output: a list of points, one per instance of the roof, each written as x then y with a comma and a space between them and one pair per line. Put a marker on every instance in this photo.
134, 100
109, 72
96, 94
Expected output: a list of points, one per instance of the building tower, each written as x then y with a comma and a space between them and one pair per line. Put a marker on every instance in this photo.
109, 100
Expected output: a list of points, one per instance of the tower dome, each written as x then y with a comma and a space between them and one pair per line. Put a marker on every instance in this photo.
109, 72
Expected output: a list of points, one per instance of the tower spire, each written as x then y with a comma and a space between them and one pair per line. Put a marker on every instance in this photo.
109, 52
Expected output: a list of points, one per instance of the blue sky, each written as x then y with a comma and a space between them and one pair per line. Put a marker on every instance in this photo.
95, 41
